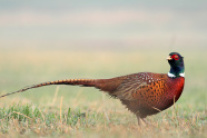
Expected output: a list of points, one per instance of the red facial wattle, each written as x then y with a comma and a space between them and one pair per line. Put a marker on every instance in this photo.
175, 57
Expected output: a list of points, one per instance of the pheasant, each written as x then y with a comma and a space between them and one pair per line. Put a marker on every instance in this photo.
143, 93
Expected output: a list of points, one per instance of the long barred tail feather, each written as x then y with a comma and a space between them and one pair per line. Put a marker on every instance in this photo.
83, 82
107, 85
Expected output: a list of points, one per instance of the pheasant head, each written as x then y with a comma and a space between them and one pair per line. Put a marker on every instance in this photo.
176, 65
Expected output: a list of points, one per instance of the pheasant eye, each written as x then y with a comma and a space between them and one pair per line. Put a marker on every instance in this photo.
176, 57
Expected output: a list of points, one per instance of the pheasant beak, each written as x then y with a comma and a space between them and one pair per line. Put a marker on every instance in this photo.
169, 58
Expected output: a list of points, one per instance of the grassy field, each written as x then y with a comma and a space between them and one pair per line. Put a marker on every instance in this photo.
85, 112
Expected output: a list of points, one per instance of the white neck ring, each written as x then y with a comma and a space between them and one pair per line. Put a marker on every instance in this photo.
171, 75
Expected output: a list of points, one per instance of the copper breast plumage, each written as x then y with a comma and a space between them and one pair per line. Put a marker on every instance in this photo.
149, 93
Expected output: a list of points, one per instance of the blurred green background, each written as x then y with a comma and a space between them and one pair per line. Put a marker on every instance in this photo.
49, 40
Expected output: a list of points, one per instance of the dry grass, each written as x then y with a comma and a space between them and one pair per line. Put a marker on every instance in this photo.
84, 112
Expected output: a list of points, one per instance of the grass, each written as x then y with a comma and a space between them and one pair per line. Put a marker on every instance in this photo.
68, 111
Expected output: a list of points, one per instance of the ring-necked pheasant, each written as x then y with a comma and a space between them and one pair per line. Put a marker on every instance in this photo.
143, 93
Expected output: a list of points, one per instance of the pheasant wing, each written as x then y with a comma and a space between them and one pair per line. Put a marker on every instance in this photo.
140, 86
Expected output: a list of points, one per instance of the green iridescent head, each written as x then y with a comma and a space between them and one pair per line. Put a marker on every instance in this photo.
176, 65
